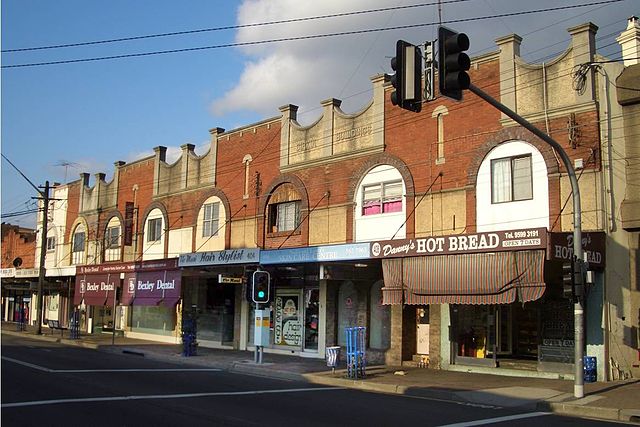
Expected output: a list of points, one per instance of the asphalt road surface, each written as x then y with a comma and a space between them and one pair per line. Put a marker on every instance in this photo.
49, 384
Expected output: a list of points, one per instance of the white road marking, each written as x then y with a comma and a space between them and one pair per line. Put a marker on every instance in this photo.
161, 396
30, 365
85, 371
455, 402
498, 419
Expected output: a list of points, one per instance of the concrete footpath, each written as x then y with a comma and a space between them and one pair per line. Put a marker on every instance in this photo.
616, 401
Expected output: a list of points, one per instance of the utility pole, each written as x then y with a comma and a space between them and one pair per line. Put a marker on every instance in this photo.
44, 195
43, 254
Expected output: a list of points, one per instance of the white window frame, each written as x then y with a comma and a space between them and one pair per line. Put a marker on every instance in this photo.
383, 195
510, 187
51, 243
211, 219
154, 229
112, 241
286, 216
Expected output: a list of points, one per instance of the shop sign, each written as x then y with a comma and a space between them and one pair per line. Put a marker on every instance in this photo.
7, 272
160, 264
593, 245
27, 272
287, 325
229, 280
495, 241
228, 257
316, 254
152, 287
128, 224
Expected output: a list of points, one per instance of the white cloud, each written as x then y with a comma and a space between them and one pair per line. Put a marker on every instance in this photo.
305, 72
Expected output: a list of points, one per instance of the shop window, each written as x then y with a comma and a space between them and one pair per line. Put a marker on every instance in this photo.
51, 244
112, 238
284, 216
383, 197
211, 219
154, 229
157, 320
511, 179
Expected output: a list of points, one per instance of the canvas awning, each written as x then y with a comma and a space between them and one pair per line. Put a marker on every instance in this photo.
160, 287
96, 289
480, 278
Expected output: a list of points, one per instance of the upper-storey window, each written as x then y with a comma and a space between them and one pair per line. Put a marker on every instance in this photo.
511, 179
154, 229
51, 243
78, 246
284, 216
211, 219
112, 237
384, 197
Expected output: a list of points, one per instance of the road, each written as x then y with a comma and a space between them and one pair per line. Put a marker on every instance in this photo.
50, 384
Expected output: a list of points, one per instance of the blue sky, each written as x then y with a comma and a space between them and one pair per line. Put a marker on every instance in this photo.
89, 115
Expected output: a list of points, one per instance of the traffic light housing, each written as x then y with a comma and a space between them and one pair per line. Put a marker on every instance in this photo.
453, 63
260, 287
407, 79
568, 279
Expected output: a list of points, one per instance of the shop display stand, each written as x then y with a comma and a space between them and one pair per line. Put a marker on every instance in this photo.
356, 356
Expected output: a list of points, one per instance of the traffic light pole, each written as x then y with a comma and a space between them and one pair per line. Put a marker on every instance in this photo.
578, 310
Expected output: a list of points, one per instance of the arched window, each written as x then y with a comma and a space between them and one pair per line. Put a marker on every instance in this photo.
438, 113
284, 209
154, 235
210, 228
112, 240
78, 244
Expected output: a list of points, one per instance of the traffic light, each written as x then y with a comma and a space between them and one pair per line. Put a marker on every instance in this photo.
453, 63
568, 279
408, 77
261, 287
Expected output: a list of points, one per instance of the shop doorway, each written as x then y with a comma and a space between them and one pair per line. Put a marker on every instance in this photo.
422, 331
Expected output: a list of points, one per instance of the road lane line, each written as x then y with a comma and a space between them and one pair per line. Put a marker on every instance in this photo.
498, 419
30, 365
161, 396
86, 371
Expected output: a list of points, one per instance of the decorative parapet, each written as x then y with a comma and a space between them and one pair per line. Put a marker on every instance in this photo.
189, 171
335, 135
103, 195
547, 88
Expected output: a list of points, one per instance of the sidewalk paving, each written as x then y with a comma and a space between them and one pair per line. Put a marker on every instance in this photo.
617, 401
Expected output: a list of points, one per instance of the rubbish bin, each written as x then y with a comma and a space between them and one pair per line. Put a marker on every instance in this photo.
333, 354
590, 364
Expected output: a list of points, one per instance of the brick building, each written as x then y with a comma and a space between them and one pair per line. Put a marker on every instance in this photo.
442, 232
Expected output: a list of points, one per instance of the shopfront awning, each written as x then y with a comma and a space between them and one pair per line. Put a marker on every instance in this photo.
150, 288
481, 278
96, 289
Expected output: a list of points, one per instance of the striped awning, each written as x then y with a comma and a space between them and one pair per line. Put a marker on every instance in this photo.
483, 278
392, 273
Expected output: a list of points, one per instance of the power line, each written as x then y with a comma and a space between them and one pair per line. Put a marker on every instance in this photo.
307, 37
227, 27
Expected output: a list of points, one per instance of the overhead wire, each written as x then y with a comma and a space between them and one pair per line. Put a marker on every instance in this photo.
298, 38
